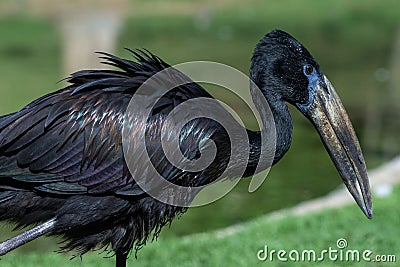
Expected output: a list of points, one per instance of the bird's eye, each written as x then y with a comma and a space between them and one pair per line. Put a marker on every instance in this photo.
308, 69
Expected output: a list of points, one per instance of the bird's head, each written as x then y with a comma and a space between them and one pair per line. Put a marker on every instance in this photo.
285, 71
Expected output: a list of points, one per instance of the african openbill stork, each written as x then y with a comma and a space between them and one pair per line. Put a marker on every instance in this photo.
62, 167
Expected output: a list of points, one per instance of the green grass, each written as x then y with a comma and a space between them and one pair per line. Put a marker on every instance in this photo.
317, 231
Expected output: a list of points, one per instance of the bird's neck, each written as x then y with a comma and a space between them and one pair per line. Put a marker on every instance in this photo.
260, 155
283, 126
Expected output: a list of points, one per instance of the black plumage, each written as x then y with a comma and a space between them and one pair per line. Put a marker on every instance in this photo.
56, 152
62, 162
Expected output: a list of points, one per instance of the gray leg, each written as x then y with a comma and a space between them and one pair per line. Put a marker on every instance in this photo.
27, 236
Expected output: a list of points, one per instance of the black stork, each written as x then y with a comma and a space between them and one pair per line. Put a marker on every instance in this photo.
62, 167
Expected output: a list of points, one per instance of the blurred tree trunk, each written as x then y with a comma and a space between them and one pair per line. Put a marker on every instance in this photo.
86, 27
84, 34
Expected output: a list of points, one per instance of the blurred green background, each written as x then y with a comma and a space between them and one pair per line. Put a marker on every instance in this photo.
357, 44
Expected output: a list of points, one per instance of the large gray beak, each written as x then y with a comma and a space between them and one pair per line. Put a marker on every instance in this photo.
332, 122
